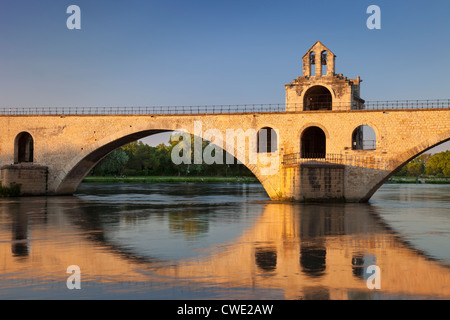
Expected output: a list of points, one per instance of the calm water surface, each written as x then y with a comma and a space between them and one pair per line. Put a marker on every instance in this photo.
224, 241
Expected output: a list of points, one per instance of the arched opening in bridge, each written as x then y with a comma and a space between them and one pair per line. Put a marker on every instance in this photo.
177, 155
364, 138
317, 98
23, 148
267, 140
137, 156
313, 143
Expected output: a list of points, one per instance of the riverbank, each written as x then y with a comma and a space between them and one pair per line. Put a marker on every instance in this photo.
431, 180
155, 179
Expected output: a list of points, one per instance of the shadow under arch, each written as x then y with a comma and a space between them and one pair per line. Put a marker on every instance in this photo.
74, 172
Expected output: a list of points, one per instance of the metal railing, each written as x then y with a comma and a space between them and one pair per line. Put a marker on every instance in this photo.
226, 109
374, 105
348, 160
407, 104
365, 145
146, 110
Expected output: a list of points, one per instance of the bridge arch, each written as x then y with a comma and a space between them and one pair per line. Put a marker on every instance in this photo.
424, 146
75, 171
405, 157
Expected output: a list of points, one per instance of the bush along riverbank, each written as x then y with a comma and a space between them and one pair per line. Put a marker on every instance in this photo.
12, 191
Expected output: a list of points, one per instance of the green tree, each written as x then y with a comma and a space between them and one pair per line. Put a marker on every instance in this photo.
138, 158
415, 169
145, 158
439, 164
113, 164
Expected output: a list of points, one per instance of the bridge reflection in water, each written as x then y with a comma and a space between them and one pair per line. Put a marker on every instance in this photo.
291, 251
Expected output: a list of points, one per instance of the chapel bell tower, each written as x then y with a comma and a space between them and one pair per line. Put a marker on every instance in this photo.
320, 89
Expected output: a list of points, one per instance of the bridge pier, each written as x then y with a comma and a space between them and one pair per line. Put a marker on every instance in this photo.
316, 181
30, 178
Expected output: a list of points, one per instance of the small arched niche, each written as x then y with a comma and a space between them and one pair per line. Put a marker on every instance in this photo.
267, 141
23, 148
364, 138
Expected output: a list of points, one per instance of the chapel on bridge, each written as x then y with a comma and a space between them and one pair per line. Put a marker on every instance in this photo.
320, 88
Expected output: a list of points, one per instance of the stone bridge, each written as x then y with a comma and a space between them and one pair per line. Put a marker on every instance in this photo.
324, 143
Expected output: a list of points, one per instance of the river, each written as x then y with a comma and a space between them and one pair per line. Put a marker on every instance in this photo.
224, 241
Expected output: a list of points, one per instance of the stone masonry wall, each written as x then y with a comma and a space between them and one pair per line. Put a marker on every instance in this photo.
31, 178
61, 143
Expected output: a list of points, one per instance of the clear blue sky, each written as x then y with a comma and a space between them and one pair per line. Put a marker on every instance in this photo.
141, 52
